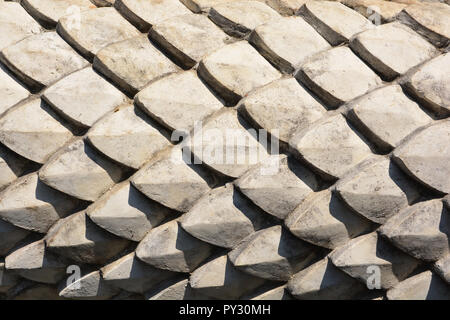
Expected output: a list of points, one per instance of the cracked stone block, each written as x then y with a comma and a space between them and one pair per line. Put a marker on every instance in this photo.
347, 79
144, 13
220, 279
323, 281
97, 28
442, 268
177, 289
377, 11
89, 287
133, 63
15, 24
171, 248
430, 84
426, 156
32, 131
272, 254
127, 137
26, 59
78, 238
126, 212
430, 20
7, 279
269, 293
35, 263
361, 255
198, 6
224, 144
10, 235
287, 42
282, 107
334, 21
223, 218
173, 181
235, 70
331, 146
280, 191
377, 190
12, 166
422, 230
424, 286
239, 18
130, 274
322, 219
178, 101
83, 97
11, 91
188, 38
30, 204
48, 12
386, 116
80, 172
392, 49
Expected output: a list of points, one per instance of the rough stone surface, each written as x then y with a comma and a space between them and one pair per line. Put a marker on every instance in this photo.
89, 287
442, 268
377, 11
287, 42
392, 49
11, 166
11, 91
424, 286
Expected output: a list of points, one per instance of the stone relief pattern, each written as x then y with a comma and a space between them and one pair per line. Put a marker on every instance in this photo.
92, 90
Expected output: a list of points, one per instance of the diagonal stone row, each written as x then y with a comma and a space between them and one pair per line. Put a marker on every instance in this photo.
96, 181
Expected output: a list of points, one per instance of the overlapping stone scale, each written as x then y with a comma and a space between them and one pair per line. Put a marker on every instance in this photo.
424, 286
12, 166
90, 286
10, 235
377, 11
12, 92
442, 268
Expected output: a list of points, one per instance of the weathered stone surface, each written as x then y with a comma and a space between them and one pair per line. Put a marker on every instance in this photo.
188, 38
15, 24
283, 106
32, 131
103, 3
421, 230
26, 58
235, 70
10, 235
220, 279
332, 84
144, 13
377, 11
30, 204
278, 191
431, 20
127, 137
430, 84
126, 212
223, 218
386, 116
285, 7
424, 286
224, 144
10, 91
80, 172
48, 12
11, 166
370, 250
442, 268
178, 101
269, 293
239, 18
331, 146
198, 6
169, 247
377, 190
272, 254
426, 156
171, 181
177, 289
322, 219
133, 63
287, 42
334, 21
89, 287
79, 239
323, 281
34, 262
83, 97
97, 28
392, 49
130, 274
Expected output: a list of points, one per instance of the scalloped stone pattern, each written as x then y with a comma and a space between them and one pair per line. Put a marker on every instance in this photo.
224, 149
